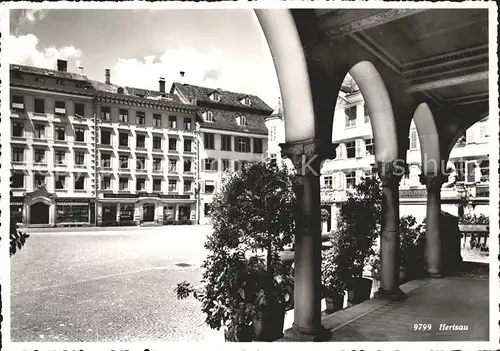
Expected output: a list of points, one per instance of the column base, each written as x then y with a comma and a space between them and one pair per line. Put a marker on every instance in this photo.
393, 295
299, 334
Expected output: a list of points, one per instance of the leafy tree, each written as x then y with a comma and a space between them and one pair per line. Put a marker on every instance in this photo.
17, 238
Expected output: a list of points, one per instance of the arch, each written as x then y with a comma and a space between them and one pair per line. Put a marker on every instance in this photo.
429, 141
461, 130
379, 105
289, 60
40, 213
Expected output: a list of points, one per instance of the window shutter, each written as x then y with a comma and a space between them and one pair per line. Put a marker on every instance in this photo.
215, 165
359, 176
359, 148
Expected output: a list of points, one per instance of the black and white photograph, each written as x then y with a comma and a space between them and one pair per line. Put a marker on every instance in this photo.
224, 172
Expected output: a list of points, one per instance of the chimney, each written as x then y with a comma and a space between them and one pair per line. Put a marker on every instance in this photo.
80, 69
107, 74
162, 85
62, 65
181, 77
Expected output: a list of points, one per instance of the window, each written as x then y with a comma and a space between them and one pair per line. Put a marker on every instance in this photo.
484, 165
79, 110
172, 144
241, 120
79, 182
79, 134
187, 165
350, 116
141, 118
471, 171
17, 181
172, 185
79, 158
246, 101
123, 116
359, 148
106, 183
172, 122
39, 106
350, 149
460, 171
236, 166
210, 164
140, 184
413, 138
18, 102
157, 120
157, 143
242, 144
18, 129
105, 113
105, 160
60, 133
39, 156
209, 187
39, 131
215, 96
226, 142
226, 165
188, 185
172, 166
16, 75
105, 137
350, 179
140, 163
39, 180
188, 144
367, 117
123, 139
140, 141
272, 134
369, 147
328, 182
156, 184
209, 141
209, 116
18, 154
60, 157
157, 164
123, 162
188, 124
257, 146
60, 108
123, 184
60, 182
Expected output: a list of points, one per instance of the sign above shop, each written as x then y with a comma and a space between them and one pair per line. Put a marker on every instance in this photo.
135, 196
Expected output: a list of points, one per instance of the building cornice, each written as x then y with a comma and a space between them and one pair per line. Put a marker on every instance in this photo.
171, 106
59, 90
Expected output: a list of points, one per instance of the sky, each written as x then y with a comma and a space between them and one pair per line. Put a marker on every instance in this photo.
223, 49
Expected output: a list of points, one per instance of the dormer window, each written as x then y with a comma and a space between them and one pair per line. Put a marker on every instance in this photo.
215, 96
209, 116
120, 90
241, 120
246, 101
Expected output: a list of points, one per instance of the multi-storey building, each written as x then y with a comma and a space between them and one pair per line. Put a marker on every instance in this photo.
352, 131
52, 141
147, 150
232, 132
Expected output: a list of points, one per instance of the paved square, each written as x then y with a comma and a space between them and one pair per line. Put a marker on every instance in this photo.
108, 286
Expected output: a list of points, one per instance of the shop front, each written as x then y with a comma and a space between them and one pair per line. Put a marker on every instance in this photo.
73, 212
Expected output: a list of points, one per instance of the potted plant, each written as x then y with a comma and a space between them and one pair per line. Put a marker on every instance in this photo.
246, 287
333, 278
357, 237
411, 249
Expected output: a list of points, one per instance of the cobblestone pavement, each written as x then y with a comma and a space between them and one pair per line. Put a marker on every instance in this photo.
108, 286
450, 301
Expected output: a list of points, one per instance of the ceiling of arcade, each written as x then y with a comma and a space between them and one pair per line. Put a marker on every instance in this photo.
441, 53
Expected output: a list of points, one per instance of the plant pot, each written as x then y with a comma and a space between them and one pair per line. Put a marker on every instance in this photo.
268, 325
359, 290
244, 334
334, 303
287, 257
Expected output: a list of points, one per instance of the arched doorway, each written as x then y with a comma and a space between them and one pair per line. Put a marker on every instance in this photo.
40, 213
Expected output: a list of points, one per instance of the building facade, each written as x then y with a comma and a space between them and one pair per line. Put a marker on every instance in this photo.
52, 148
232, 132
468, 165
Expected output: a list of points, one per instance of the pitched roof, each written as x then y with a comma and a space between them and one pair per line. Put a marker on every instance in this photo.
131, 91
225, 120
227, 98
48, 72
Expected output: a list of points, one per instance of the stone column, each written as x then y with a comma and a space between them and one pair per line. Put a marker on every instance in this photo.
433, 214
390, 174
306, 157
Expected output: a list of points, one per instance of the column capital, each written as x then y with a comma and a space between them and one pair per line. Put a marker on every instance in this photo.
307, 155
433, 181
391, 172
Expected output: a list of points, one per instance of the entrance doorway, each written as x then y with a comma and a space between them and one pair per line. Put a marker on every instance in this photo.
148, 214
109, 213
184, 213
39, 213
